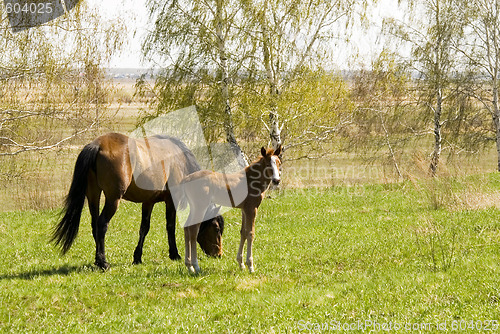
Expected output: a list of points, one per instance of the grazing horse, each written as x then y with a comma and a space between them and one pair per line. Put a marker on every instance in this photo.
109, 165
244, 190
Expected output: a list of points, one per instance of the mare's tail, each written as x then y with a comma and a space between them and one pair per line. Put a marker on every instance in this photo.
66, 231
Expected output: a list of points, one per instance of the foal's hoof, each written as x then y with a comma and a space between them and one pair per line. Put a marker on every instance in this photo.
137, 261
194, 270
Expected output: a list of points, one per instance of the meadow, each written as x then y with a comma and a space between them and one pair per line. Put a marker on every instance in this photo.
418, 254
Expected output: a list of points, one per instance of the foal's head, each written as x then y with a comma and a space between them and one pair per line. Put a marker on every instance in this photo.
272, 164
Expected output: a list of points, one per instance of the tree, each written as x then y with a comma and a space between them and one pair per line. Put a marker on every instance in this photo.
384, 117
50, 78
482, 52
294, 38
236, 59
197, 41
433, 39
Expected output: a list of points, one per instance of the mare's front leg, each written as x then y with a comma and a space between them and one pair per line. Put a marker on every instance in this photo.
170, 215
247, 234
107, 213
147, 208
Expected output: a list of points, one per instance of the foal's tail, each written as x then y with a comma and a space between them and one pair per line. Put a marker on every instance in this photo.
65, 232
179, 194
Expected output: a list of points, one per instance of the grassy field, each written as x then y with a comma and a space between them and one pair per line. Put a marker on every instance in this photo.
408, 254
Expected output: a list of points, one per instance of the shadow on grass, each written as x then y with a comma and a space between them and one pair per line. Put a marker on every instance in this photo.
64, 270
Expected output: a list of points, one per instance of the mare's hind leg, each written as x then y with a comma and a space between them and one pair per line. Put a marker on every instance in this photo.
93, 197
107, 213
170, 214
147, 208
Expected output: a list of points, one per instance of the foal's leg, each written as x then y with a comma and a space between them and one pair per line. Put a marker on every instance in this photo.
243, 233
191, 259
170, 214
248, 235
190, 235
147, 208
107, 213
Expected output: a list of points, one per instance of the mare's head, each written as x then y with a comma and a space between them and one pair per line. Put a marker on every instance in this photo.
272, 164
210, 234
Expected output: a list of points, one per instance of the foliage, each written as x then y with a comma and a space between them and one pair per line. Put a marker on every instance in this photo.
185, 39
51, 77
311, 110
385, 121
271, 48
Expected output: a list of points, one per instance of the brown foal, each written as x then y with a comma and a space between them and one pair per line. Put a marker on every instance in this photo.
244, 190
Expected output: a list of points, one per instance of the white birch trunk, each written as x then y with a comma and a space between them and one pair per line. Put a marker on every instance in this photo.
274, 129
496, 121
274, 126
439, 95
437, 134
228, 118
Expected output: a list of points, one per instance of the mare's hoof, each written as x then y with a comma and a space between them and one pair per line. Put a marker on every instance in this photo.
174, 257
102, 265
137, 261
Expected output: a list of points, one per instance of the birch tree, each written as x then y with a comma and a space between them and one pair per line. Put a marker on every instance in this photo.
432, 39
48, 79
292, 35
195, 42
222, 26
482, 51
242, 61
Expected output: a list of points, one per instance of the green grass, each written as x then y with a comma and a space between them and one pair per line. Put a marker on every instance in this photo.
376, 253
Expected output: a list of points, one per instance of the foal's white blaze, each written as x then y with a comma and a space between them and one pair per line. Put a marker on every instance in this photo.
274, 166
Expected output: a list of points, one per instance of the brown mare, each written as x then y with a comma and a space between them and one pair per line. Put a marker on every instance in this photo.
244, 190
104, 166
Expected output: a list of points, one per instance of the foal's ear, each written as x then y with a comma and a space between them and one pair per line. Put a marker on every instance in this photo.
263, 151
278, 150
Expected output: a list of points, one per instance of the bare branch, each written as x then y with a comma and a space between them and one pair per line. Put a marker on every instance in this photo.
27, 147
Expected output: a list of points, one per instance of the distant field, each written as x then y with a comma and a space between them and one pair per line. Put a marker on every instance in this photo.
375, 254
40, 180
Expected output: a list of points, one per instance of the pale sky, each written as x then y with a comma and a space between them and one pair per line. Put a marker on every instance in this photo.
366, 44
136, 20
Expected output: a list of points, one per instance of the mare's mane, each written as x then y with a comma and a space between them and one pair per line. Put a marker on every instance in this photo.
191, 162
